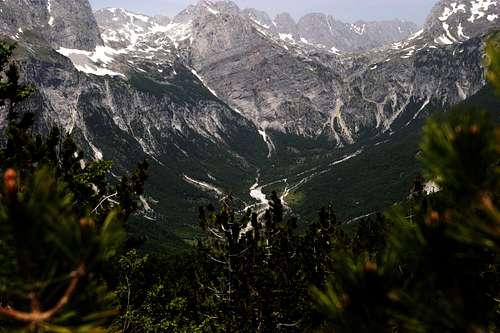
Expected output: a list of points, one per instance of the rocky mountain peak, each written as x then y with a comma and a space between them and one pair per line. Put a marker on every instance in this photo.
286, 24
207, 7
313, 31
225, 6
325, 31
162, 20
454, 21
260, 17
117, 18
316, 27
122, 29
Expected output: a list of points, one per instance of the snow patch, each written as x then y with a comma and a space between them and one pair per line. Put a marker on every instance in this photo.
443, 40
398, 45
287, 37
202, 81
360, 30
346, 158
237, 110
102, 54
416, 34
270, 145
410, 50
460, 32
133, 16
49, 10
334, 50
89, 62
202, 185
177, 32
427, 101
479, 8
461, 92
455, 8
446, 28
211, 10
99, 71
260, 23
305, 41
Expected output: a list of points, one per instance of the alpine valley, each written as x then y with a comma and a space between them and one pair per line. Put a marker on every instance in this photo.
222, 100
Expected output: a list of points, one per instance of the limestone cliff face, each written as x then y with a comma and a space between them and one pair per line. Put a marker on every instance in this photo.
63, 23
308, 89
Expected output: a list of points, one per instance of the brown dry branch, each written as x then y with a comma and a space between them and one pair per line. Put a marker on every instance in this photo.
36, 316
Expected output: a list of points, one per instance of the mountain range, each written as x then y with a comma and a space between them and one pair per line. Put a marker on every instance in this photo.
227, 100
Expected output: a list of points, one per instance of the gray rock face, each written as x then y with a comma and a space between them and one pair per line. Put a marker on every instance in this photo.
320, 30
121, 28
374, 34
63, 23
453, 21
158, 110
260, 18
356, 37
285, 86
285, 24
162, 20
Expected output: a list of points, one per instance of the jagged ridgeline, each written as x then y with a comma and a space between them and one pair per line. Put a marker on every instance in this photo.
224, 100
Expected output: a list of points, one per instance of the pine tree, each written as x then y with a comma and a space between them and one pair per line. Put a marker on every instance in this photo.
493, 60
61, 221
261, 268
51, 252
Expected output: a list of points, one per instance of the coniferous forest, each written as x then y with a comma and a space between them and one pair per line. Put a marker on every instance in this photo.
70, 263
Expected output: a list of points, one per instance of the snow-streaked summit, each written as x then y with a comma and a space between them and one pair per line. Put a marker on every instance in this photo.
454, 21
